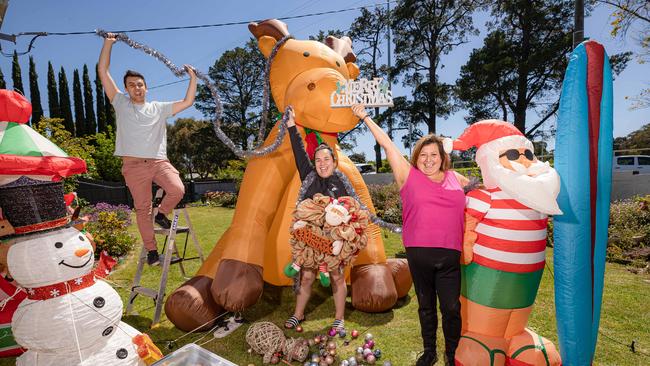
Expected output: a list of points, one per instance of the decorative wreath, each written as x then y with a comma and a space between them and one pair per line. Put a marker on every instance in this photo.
328, 230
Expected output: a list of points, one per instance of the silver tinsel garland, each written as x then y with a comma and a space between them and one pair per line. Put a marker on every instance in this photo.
266, 97
179, 72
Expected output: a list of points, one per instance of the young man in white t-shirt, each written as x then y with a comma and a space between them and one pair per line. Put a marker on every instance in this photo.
141, 141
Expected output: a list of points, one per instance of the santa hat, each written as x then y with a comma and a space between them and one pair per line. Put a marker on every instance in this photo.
495, 133
490, 137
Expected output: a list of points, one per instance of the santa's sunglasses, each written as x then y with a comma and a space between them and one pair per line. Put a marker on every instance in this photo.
514, 154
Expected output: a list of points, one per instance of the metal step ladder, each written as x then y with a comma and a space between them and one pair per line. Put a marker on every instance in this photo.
169, 250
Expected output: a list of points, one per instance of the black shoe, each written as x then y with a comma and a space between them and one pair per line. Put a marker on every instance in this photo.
153, 259
428, 358
162, 221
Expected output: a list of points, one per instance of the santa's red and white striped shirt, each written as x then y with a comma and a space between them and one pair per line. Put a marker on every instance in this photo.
510, 236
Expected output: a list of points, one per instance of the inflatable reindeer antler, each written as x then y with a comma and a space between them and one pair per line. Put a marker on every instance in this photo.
269, 27
342, 46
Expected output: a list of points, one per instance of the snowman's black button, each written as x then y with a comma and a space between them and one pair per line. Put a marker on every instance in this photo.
99, 302
107, 331
122, 353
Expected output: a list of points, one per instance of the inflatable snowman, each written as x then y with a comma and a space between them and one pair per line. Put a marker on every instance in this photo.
69, 317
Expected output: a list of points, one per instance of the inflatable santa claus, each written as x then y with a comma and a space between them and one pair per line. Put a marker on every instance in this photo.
504, 248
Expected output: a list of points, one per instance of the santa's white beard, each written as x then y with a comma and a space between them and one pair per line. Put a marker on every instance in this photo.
538, 192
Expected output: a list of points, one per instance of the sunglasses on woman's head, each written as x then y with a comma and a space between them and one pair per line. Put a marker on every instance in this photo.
514, 154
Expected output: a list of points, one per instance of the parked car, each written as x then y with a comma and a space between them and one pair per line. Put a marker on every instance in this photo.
365, 168
637, 164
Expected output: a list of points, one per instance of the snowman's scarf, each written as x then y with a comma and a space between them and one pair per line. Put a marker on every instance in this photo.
311, 177
61, 288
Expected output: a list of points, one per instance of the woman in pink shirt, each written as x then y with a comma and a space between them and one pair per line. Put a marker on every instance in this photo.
433, 204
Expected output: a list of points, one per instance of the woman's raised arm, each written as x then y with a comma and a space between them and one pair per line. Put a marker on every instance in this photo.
400, 166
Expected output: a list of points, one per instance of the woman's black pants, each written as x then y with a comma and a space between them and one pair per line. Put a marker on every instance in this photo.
437, 271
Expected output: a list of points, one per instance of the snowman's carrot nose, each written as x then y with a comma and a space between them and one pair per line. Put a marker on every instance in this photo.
81, 252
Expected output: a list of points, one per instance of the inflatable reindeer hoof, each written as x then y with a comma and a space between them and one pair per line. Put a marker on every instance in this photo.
373, 288
237, 285
191, 305
399, 268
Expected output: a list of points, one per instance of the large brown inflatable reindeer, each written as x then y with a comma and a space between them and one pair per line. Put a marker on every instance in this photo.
255, 247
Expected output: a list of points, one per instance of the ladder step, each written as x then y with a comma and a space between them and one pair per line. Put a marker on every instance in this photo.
176, 260
187, 259
145, 291
179, 229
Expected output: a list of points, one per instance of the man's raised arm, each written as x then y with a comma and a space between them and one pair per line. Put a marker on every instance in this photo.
182, 105
110, 88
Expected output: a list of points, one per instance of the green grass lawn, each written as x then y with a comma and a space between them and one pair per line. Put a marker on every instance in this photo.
625, 316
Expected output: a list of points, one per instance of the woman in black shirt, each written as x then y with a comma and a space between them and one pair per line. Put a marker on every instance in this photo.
329, 184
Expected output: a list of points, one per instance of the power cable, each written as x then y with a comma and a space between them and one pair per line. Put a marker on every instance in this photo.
285, 17
35, 35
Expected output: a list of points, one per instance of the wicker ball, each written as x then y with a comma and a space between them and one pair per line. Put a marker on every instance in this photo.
266, 338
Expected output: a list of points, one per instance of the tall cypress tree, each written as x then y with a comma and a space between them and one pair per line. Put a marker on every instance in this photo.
110, 113
91, 123
101, 112
77, 98
34, 93
3, 84
64, 102
16, 76
52, 93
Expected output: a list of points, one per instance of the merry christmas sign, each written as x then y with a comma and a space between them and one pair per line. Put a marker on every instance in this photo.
370, 93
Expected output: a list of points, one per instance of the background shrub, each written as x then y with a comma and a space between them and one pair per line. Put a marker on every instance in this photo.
387, 202
220, 199
109, 166
108, 224
629, 226
233, 171
470, 172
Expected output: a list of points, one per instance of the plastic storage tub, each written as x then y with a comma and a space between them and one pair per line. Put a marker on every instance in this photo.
193, 355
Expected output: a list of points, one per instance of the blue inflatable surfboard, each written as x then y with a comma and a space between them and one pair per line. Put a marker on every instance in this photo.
583, 158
